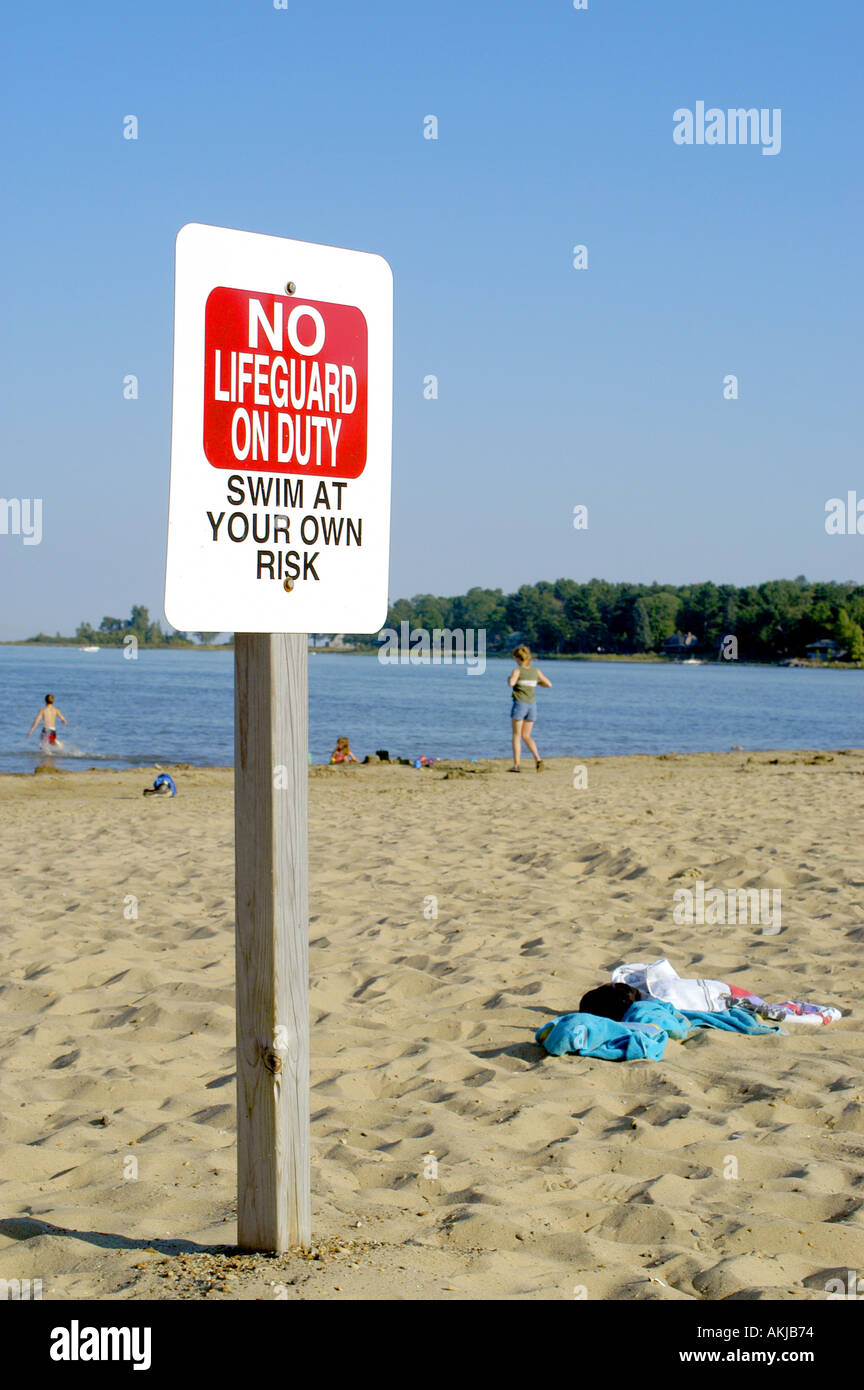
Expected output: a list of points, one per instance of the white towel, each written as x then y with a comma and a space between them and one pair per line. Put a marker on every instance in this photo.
659, 980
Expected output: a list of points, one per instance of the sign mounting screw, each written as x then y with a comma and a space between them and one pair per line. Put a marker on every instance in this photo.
290, 288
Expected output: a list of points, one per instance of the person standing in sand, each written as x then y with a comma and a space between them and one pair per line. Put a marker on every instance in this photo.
523, 682
49, 714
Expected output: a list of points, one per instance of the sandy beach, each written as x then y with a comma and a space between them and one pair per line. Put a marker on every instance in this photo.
452, 1159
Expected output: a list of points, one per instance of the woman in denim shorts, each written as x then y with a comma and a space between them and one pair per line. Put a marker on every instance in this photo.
523, 682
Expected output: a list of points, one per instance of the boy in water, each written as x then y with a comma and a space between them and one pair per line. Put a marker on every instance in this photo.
49, 714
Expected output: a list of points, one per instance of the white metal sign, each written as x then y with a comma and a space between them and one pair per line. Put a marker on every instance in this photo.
279, 515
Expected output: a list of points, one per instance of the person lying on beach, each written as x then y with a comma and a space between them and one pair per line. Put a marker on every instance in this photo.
609, 1001
523, 682
342, 752
615, 1023
49, 714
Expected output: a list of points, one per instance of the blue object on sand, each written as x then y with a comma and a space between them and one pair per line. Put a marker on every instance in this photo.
163, 780
644, 1030
593, 1036
670, 1019
681, 1023
731, 1021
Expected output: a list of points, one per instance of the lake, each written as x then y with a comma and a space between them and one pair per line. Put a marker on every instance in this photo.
176, 706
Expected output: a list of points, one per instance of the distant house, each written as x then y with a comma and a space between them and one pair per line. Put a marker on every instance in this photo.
680, 644
824, 650
335, 641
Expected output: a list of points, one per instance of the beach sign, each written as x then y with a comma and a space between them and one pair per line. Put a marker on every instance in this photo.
279, 511
278, 526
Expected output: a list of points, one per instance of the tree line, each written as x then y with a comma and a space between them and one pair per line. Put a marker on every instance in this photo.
113, 632
771, 622
774, 621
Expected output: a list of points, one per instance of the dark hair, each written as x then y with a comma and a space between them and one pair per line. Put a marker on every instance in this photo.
49, 699
609, 1001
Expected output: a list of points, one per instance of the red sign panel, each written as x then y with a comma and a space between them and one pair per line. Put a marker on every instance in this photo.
285, 383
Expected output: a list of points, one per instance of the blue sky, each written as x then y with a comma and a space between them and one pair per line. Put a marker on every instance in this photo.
556, 386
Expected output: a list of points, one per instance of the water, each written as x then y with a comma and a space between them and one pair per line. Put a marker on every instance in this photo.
176, 706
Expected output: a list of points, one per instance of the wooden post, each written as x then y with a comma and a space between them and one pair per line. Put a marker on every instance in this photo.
272, 907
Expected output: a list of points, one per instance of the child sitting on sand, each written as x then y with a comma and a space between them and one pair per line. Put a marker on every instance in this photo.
342, 752
49, 714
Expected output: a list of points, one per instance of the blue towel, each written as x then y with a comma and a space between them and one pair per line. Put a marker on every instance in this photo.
681, 1023
592, 1036
644, 1031
664, 1015
731, 1020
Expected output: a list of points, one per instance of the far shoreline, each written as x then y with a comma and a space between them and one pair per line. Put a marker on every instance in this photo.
625, 658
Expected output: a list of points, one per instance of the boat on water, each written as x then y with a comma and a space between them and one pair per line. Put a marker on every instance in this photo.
691, 661
89, 649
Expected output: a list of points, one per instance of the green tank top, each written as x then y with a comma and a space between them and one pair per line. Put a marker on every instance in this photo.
524, 688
